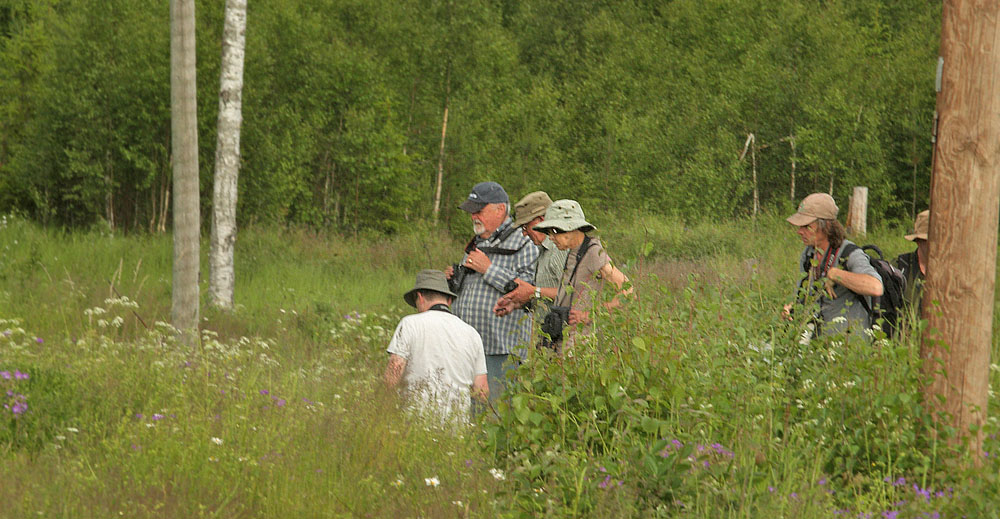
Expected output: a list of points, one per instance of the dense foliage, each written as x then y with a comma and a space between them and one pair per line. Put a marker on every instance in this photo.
695, 400
641, 103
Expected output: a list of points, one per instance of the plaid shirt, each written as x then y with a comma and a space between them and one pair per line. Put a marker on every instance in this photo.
480, 292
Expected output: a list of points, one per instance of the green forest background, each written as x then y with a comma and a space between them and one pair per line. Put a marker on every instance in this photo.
641, 105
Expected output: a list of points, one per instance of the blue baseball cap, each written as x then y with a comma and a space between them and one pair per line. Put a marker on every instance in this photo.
484, 193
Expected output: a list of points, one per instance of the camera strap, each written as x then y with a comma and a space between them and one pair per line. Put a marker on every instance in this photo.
500, 238
441, 307
580, 253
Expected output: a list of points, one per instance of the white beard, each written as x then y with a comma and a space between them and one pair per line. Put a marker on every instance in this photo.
478, 227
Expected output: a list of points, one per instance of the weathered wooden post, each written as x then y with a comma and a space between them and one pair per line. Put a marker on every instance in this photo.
857, 213
965, 189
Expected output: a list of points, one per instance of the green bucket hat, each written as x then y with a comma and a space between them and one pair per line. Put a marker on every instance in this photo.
428, 280
564, 215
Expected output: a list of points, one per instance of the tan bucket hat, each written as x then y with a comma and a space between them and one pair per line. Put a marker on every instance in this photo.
813, 207
920, 226
428, 280
530, 207
565, 215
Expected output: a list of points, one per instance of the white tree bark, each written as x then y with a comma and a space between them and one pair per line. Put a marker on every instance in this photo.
184, 150
227, 156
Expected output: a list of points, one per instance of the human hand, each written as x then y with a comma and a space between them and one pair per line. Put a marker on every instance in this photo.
786, 313
579, 317
828, 285
478, 261
449, 271
522, 294
504, 306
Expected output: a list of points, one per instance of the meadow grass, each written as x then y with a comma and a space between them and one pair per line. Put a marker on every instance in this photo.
696, 401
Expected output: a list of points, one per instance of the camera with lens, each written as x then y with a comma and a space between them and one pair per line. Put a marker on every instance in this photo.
552, 325
458, 277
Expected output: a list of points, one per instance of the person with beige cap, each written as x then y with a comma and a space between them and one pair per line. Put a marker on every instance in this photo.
914, 264
843, 281
528, 212
588, 269
437, 355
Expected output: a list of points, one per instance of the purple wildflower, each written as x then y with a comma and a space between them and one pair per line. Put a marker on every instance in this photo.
604, 484
821, 482
892, 514
157, 417
6, 333
280, 402
138, 416
5, 375
770, 489
468, 463
19, 408
18, 375
39, 340
264, 391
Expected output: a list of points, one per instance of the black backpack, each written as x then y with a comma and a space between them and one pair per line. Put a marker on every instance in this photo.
889, 305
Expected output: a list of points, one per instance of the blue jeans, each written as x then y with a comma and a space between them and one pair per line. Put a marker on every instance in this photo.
497, 367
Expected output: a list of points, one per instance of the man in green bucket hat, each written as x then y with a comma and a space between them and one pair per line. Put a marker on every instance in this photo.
437, 355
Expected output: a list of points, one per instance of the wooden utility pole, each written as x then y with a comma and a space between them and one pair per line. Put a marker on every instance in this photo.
965, 195
184, 155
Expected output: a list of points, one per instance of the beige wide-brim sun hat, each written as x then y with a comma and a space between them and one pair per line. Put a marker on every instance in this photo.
565, 215
920, 226
428, 280
813, 207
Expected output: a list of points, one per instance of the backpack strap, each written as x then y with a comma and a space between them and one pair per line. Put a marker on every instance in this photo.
845, 253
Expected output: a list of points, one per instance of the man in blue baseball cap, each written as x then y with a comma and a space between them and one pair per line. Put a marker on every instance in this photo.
494, 257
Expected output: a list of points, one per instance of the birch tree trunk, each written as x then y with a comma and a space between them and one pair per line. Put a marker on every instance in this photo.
222, 275
444, 133
184, 149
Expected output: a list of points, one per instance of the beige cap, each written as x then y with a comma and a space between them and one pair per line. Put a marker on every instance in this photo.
428, 280
814, 206
530, 207
921, 226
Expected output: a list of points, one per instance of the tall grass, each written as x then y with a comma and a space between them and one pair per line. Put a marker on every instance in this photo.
696, 400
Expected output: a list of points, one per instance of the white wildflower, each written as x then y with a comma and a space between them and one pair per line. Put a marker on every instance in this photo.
73, 429
432, 481
217, 441
498, 474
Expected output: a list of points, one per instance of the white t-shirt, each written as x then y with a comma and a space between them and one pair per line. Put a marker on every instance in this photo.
443, 356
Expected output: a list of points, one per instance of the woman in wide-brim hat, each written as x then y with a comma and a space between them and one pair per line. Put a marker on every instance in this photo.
588, 267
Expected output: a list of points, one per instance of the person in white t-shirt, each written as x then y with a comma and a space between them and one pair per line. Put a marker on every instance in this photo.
436, 355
